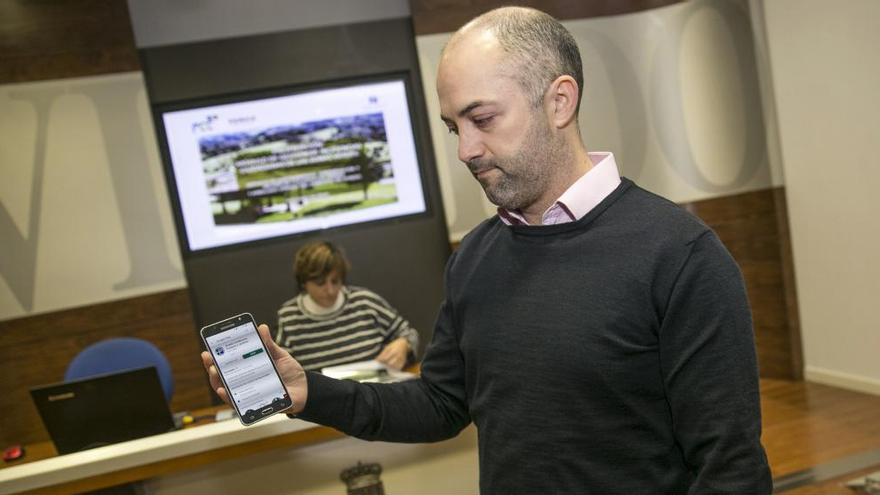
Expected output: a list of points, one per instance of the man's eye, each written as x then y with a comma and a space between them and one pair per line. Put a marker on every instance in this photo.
452, 130
483, 122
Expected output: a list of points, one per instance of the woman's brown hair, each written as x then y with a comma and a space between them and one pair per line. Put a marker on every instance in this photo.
317, 260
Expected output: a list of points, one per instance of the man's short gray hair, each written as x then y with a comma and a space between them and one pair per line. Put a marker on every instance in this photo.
539, 47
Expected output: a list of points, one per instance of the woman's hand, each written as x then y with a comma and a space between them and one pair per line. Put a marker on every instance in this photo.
394, 354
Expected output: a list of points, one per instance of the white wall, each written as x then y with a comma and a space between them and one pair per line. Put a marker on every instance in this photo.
84, 211
84, 214
825, 74
673, 92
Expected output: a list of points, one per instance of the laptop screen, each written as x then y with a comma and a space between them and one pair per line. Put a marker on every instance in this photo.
103, 409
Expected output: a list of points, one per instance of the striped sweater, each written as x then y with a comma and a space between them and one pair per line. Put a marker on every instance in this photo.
357, 331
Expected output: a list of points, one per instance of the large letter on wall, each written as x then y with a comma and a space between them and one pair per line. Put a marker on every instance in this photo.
19, 252
37, 119
116, 104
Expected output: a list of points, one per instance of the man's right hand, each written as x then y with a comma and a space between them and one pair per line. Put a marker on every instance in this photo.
292, 373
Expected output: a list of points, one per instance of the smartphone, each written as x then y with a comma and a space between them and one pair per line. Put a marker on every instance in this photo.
248, 372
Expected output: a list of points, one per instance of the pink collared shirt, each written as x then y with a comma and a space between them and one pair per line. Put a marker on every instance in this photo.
580, 197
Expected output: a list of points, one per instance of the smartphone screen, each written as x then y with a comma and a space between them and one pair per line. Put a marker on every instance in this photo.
246, 369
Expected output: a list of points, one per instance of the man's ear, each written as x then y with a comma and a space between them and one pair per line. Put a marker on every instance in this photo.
563, 100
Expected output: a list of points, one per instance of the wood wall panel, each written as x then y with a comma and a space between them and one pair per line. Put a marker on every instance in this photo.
753, 228
444, 16
792, 315
42, 39
35, 350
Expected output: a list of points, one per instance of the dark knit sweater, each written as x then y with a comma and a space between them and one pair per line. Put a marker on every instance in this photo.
610, 355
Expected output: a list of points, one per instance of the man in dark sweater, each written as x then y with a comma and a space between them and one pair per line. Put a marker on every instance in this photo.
597, 335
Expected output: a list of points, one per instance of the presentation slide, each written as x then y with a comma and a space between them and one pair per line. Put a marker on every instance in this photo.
270, 167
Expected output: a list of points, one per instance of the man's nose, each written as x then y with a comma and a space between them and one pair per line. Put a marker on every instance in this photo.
469, 147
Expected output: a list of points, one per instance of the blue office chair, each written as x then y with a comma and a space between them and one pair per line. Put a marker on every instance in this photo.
118, 354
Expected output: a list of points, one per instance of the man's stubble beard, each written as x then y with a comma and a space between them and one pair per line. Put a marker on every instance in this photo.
527, 173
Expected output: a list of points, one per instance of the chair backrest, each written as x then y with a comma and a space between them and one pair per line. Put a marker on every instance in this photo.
118, 354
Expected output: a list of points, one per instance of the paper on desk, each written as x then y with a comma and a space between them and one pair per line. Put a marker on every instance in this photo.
366, 371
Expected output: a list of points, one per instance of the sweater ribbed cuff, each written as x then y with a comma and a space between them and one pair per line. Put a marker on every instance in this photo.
324, 392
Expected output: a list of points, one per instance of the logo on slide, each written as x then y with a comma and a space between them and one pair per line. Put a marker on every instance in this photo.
204, 125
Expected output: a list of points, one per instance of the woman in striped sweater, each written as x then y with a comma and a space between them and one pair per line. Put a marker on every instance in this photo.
330, 323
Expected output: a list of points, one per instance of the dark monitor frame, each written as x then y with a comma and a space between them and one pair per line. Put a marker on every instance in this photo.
160, 109
259, 278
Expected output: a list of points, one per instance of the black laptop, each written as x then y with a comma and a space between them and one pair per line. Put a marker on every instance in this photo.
103, 409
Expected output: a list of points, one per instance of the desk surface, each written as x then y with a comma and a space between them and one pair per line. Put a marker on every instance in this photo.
42, 471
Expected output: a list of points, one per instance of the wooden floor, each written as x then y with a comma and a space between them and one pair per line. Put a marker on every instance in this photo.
833, 486
808, 425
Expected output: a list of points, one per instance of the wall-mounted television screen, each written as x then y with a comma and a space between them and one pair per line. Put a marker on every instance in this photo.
266, 166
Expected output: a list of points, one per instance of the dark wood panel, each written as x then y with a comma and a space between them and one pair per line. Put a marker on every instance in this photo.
35, 350
749, 225
58, 39
788, 279
443, 16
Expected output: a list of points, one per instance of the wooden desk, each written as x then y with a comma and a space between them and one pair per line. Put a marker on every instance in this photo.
42, 471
